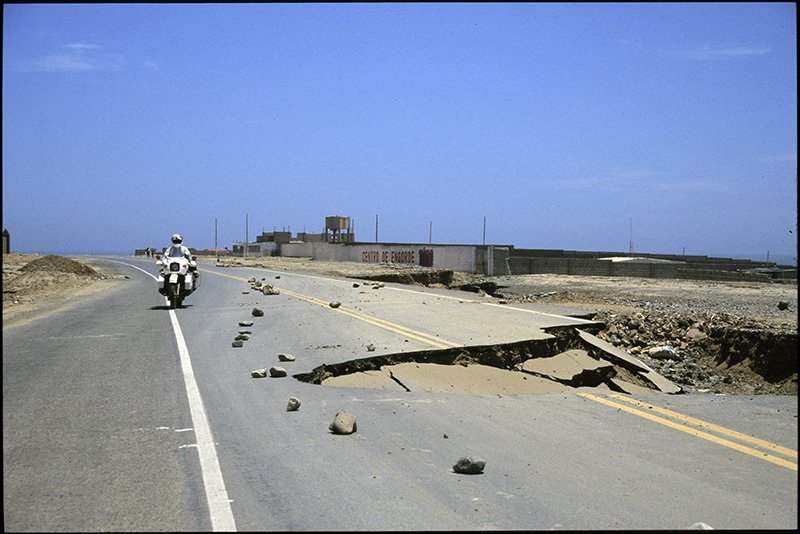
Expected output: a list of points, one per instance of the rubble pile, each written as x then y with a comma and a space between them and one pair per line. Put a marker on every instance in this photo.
262, 286
709, 352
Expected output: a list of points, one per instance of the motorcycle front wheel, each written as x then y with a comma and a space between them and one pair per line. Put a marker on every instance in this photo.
172, 296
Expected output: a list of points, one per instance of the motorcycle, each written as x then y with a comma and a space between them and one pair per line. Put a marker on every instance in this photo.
177, 279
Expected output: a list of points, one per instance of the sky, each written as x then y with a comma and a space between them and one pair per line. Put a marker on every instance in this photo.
671, 126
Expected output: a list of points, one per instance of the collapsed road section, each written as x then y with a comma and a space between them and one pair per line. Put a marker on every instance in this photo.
570, 358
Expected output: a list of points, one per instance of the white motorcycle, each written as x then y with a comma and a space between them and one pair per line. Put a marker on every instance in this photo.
177, 279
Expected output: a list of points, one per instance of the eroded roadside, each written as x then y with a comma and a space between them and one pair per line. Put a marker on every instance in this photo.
567, 360
706, 336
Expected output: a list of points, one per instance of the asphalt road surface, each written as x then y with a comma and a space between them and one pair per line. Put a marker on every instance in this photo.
122, 415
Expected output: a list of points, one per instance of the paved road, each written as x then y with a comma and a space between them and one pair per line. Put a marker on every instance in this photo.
119, 414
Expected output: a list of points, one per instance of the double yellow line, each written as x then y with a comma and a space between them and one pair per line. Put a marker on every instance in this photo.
422, 337
641, 409
680, 422
380, 323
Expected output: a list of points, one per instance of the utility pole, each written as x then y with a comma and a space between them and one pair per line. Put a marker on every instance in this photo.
630, 221
430, 232
246, 235
484, 229
376, 227
216, 250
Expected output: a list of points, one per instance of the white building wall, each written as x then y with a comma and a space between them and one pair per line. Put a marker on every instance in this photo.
255, 248
456, 257
297, 250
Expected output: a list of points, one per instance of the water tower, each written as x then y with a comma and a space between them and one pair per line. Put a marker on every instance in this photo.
337, 229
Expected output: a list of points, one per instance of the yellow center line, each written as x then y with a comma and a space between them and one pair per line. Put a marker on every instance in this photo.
710, 426
694, 432
375, 321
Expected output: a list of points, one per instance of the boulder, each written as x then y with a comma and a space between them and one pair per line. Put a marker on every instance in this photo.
665, 352
293, 405
469, 465
277, 372
343, 423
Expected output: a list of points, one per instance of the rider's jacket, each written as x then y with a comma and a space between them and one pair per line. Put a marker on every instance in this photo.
176, 251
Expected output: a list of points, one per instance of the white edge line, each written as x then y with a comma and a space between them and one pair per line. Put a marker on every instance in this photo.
579, 320
219, 505
504, 306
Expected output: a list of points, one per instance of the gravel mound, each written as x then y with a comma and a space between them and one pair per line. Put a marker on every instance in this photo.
58, 264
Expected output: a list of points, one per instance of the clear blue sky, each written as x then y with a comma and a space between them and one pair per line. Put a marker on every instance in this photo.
565, 125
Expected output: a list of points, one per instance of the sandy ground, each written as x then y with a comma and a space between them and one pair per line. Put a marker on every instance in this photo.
617, 301
55, 285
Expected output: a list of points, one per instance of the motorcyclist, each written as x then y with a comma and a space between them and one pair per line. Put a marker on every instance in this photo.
178, 249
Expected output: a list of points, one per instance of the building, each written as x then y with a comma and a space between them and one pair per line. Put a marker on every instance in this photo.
266, 244
337, 230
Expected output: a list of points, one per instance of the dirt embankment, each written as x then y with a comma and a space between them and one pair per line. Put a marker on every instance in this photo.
33, 283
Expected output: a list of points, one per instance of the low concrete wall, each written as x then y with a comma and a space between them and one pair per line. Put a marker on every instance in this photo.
465, 258
297, 250
494, 260
501, 261
455, 257
703, 262
589, 267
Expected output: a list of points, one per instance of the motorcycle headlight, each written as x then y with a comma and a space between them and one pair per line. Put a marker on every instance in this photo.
175, 266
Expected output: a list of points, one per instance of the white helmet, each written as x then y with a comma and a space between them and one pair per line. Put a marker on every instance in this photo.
177, 239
